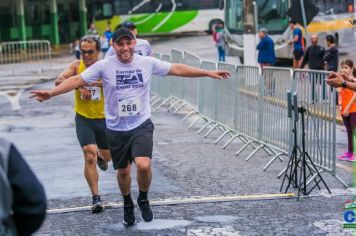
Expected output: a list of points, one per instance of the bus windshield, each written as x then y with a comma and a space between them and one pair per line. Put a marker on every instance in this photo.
272, 14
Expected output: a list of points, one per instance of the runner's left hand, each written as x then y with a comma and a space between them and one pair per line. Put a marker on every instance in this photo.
219, 74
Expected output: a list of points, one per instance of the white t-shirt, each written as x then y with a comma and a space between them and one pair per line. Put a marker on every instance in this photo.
127, 88
142, 47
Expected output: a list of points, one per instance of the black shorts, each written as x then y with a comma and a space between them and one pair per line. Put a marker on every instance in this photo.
126, 145
298, 54
91, 131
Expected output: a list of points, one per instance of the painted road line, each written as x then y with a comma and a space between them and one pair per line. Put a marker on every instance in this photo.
190, 200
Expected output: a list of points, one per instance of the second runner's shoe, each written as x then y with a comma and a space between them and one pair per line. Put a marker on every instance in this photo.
103, 165
97, 205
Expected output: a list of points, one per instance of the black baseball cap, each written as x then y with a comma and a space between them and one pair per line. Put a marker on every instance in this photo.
128, 24
122, 33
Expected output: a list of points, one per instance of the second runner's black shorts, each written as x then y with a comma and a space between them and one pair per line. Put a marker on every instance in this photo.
91, 131
126, 145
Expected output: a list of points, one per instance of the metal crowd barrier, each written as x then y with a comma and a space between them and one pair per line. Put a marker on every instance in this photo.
24, 51
252, 106
156, 86
191, 86
276, 127
23, 56
160, 85
319, 100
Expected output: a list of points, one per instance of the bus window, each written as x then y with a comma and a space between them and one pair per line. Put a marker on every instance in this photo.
234, 17
272, 15
329, 7
107, 10
122, 7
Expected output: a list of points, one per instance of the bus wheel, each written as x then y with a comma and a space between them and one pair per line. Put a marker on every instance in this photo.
211, 24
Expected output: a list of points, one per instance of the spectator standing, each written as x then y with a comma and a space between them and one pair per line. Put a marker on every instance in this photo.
331, 57
77, 49
92, 30
108, 35
347, 101
297, 42
104, 45
266, 54
220, 40
314, 55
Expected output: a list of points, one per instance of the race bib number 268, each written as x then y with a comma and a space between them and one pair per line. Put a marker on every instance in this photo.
130, 107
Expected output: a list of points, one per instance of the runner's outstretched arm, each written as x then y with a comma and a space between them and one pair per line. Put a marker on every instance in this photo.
189, 71
66, 86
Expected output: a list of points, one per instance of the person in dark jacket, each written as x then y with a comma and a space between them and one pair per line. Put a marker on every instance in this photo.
314, 55
22, 198
266, 55
331, 57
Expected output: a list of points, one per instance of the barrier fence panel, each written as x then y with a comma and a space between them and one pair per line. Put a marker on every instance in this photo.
155, 83
319, 100
177, 83
207, 92
24, 51
191, 85
252, 105
225, 106
163, 81
247, 108
276, 126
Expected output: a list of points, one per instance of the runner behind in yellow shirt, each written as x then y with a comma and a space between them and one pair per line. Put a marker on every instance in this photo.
89, 118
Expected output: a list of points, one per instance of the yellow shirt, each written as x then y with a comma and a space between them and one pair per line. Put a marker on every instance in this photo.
92, 109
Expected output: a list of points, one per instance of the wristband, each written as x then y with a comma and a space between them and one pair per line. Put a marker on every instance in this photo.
343, 84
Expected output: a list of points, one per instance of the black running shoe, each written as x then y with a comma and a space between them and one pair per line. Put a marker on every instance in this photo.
97, 205
103, 165
146, 212
129, 215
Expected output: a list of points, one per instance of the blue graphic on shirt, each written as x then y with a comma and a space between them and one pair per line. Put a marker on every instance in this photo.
129, 79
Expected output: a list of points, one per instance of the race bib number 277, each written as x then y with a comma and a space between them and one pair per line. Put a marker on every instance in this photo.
95, 93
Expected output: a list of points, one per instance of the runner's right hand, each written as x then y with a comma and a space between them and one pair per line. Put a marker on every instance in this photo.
41, 95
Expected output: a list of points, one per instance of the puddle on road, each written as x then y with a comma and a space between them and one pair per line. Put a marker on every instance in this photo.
156, 224
160, 224
217, 219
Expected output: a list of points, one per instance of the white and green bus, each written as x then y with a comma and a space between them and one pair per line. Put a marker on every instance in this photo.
154, 17
333, 17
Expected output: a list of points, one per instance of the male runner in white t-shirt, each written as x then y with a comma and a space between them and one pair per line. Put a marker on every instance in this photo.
126, 81
142, 47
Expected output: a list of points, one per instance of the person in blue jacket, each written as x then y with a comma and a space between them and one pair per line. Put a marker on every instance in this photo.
266, 55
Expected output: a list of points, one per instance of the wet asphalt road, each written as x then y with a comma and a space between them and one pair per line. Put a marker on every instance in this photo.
185, 165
